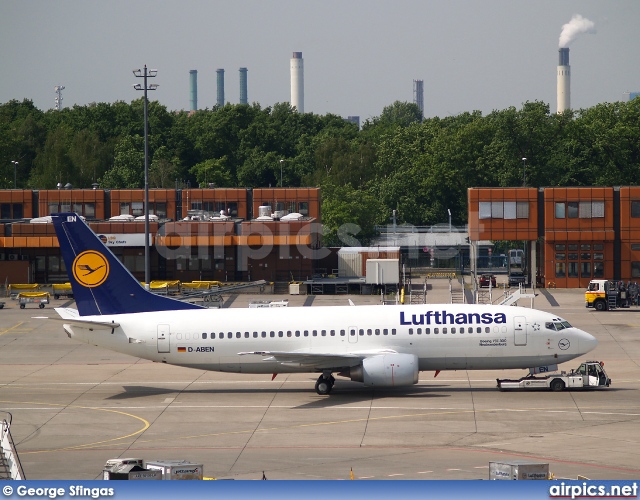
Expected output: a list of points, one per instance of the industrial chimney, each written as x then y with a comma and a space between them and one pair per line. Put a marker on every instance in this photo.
243, 86
220, 81
564, 80
193, 77
418, 95
297, 82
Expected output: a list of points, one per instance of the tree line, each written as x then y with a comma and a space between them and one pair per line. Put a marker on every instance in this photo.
396, 161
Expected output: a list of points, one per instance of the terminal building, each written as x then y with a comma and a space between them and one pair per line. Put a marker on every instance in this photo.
572, 234
196, 234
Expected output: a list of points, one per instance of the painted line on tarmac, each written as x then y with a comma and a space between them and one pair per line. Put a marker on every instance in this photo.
7, 330
93, 408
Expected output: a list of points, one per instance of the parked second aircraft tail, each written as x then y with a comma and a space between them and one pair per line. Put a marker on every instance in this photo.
101, 284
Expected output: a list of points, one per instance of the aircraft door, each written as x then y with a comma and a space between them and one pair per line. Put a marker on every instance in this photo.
353, 334
163, 338
520, 330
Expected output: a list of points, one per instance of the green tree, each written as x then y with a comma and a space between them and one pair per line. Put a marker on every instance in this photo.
212, 172
128, 165
53, 165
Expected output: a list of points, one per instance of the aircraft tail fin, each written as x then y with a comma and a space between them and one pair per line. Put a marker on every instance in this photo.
100, 282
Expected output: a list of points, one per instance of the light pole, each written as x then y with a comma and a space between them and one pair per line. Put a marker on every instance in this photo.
524, 172
15, 174
146, 74
281, 162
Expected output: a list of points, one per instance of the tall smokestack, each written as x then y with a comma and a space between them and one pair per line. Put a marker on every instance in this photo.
564, 81
220, 81
418, 95
193, 77
569, 32
297, 82
243, 86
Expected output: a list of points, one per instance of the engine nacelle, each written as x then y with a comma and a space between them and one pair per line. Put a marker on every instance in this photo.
387, 370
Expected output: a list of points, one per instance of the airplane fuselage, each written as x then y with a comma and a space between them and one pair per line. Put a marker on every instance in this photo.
443, 337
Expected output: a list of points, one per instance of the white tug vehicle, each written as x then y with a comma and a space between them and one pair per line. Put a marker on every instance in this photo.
589, 375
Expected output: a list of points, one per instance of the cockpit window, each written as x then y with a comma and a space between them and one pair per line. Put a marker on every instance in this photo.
557, 325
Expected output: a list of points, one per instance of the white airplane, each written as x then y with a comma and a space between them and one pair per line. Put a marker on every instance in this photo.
380, 346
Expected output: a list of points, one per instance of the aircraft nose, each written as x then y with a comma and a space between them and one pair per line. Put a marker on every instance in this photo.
587, 342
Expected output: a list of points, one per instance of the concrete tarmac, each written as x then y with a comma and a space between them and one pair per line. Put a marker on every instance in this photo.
74, 406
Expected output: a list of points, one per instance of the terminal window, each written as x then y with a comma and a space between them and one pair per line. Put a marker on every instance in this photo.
503, 210
579, 209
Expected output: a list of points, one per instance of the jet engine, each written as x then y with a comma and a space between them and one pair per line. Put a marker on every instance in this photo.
387, 370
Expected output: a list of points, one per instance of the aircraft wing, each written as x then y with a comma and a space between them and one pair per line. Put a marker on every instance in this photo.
316, 360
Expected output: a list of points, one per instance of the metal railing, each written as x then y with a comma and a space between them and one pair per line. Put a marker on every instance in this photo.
8, 454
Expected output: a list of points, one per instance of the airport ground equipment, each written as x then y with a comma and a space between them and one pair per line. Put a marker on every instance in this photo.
518, 470
177, 469
40, 298
62, 289
14, 288
606, 295
517, 268
130, 472
589, 375
256, 304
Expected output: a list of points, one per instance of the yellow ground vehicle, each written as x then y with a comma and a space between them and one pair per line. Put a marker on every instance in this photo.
605, 295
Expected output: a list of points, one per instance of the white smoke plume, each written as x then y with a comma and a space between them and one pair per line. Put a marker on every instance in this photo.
573, 28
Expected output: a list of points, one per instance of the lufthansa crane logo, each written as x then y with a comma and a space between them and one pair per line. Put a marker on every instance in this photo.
90, 268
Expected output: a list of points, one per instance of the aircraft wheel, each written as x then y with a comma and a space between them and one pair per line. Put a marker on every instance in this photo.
324, 385
557, 385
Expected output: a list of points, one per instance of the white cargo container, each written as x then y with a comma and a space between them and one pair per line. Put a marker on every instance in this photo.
519, 469
177, 469
352, 260
383, 272
268, 303
349, 263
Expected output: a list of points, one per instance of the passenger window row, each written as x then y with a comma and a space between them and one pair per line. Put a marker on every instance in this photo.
288, 333
371, 331
453, 329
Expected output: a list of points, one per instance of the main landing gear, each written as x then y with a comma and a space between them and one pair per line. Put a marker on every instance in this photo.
325, 384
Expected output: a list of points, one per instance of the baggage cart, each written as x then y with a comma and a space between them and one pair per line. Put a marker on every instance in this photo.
40, 298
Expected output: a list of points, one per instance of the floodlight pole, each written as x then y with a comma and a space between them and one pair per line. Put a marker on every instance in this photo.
146, 74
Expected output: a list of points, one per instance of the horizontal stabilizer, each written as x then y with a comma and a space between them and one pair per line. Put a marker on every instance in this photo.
83, 323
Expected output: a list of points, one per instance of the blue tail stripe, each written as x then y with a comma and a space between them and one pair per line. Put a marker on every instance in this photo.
108, 287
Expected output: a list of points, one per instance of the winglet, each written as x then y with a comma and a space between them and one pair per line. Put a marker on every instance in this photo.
100, 282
